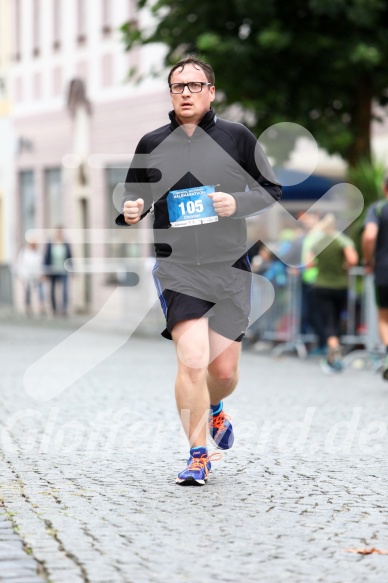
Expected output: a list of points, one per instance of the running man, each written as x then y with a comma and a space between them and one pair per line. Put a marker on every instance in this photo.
201, 176
375, 251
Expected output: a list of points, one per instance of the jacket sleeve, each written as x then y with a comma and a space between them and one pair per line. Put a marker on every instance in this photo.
262, 189
137, 182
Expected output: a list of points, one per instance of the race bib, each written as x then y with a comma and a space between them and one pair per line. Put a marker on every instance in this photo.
191, 206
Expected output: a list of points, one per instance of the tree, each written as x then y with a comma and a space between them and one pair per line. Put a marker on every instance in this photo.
318, 63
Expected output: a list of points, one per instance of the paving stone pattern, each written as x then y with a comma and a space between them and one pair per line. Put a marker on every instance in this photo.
88, 488
16, 563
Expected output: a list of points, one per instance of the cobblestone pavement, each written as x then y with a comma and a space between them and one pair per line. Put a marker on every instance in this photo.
87, 478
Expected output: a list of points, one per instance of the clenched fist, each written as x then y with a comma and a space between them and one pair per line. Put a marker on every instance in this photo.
224, 204
132, 211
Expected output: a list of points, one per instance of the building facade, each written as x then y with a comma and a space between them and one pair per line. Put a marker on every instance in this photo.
7, 157
6, 142
77, 117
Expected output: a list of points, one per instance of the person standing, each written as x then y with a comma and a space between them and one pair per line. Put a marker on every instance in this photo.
375, 253
57, 252
202, 273
29, 268
334, 254
311, 317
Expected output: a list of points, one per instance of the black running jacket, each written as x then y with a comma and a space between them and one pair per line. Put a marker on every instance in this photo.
220, 153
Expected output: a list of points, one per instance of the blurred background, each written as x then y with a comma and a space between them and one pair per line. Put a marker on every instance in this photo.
82, 80
65, 95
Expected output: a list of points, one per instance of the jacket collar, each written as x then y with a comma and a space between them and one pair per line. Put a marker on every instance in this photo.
208, 120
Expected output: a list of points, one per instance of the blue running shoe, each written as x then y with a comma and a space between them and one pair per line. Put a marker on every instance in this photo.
331, 367
198, 467
221, 430
333, 363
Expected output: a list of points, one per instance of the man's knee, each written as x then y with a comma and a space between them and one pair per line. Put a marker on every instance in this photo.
224, 375
192, 375
192, 344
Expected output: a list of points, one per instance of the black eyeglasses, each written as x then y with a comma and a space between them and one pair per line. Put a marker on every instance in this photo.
194, 87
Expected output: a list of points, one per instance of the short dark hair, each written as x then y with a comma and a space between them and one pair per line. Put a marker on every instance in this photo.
198, 64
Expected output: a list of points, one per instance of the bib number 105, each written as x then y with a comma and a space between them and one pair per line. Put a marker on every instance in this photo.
191, 207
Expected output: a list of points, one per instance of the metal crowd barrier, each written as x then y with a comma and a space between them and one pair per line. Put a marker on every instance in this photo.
362, 322
282, 322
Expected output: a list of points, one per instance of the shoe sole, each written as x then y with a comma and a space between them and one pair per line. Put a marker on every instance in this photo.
190, 482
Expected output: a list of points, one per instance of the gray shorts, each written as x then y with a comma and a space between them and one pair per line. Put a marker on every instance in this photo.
218, 290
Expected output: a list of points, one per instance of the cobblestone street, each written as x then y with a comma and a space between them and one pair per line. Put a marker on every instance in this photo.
88, 491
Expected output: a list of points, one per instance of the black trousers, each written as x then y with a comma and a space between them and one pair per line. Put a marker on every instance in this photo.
331, 303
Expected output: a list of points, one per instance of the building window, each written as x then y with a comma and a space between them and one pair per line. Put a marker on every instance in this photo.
81, 17
82, 71
36, 28
37, 86
27, 201
106, 17
18, 90
53, 198
57, 81
17, 29
115, 179
57, 24
107, 70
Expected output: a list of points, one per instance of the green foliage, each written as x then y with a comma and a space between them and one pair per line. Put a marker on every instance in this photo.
319, 63
368, 177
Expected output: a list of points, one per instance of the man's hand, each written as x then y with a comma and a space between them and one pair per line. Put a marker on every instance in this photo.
224, 204
132, 211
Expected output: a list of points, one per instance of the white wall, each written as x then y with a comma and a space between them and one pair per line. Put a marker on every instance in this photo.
7, 141
73, 57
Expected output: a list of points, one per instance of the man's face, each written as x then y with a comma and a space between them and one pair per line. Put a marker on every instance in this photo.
191, 107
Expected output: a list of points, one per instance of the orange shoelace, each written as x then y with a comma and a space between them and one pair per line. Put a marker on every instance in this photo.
218, 421
197, 463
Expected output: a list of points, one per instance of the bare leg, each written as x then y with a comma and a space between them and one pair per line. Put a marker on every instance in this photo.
333, 342
192, 397
223, 371
383, 325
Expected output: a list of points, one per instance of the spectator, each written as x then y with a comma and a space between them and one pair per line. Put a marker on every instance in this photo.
311, 318
57, 252
29, 269
333, 262
375, 251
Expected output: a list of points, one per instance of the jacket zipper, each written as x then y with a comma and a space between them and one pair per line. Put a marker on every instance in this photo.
195, 232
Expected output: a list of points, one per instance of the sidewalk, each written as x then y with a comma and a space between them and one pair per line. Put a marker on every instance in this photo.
88, 488
151, 324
